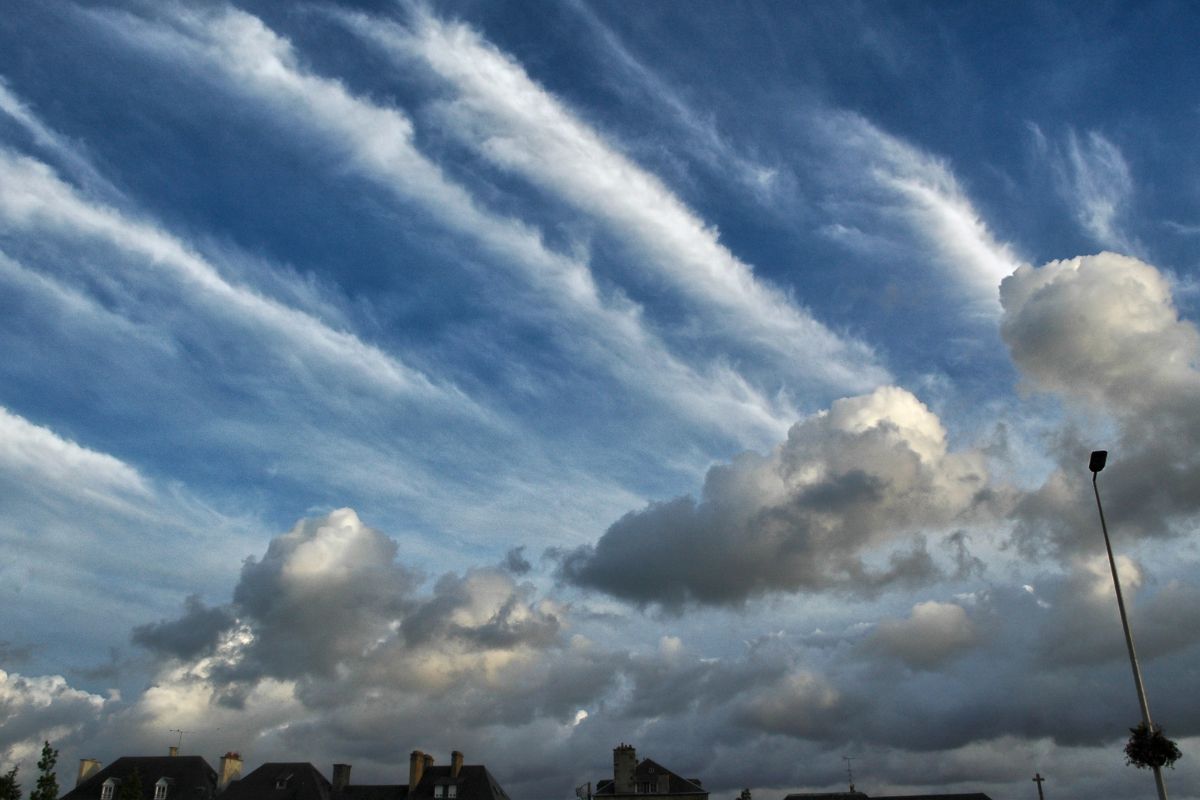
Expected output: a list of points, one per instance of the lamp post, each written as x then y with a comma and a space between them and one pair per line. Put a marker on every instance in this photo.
1098, 459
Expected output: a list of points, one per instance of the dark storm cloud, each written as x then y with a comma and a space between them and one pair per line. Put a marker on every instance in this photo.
868, 476
516, 562
194, 632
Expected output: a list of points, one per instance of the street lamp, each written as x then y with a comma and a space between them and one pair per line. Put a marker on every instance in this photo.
1098, 459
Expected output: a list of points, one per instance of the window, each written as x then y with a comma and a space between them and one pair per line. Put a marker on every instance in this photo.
160, 789
452, 791
439, 791
106, 789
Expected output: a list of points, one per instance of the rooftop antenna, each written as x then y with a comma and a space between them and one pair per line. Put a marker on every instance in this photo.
849, 771
179, 742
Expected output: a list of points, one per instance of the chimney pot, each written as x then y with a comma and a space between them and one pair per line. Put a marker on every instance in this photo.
173, 750
416, 768
341, 777
87, 768
456, 762
231, 770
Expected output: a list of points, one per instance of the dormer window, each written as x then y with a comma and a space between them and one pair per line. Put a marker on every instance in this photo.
439, 791
108, 788
452, 791
160, 789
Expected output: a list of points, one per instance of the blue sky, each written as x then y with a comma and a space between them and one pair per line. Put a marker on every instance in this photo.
718, 378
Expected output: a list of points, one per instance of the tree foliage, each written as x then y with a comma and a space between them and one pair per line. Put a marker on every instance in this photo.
9, 788
1148, 748
47, 781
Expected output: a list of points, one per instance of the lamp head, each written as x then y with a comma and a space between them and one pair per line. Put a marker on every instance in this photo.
1099, 457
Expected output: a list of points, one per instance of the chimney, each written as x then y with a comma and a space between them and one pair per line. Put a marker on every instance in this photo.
172, 750
456, 759
428, 761
231, 770
341, 777
624, 769
416, 768
87, 768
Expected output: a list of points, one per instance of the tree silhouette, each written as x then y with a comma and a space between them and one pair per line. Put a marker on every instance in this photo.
47, 782
9, 788
1150, 748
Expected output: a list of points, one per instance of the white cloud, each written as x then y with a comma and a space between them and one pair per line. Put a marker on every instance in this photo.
376, 141
34, 709
1103, 330
39, 455
1103, 333
1094, 179
517, 125
33, 199
922, 190
65, 151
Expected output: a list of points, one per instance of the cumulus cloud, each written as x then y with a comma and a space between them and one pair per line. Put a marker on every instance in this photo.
39, 708
330, 613
1085, 328
1103, 333
871, 471
932, 634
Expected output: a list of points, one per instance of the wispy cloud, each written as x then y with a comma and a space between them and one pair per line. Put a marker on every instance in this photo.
922, 190
513, 122
33, 198
43, 457
1094, 179
66, 152
377, 142
702, 135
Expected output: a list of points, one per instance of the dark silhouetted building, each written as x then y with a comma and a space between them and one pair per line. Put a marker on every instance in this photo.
633, 778
170, 777
279, 780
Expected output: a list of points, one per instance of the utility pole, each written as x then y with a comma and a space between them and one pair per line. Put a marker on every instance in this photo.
1037, 778
1098, 459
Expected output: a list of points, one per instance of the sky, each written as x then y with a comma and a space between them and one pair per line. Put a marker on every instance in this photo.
524, 380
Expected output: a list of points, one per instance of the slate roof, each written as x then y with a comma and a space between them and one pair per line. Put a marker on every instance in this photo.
474, 782
861, 796
190, 777
280, 780
302, 781
648, 770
